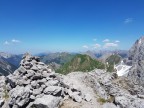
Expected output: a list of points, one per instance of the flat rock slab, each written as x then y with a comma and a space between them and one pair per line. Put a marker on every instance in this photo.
47, 101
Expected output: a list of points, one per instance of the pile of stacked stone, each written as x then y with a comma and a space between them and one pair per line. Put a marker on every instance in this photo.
33, 84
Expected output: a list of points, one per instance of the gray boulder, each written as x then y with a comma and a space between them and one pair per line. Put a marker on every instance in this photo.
1, 102
53, 90
20, 96
109, 105
52, 83
47, 101
37, 91
88, 97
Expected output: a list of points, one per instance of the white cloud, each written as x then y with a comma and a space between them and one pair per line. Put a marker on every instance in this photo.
94, 39
85, 46
15, 41
117, 41
6, 43
128, 20
108, 45
96, 45
106, 40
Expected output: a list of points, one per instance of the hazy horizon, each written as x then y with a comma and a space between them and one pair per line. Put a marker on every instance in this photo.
69, 25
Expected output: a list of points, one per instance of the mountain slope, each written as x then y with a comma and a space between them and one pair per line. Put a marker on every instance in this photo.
113, 59
11, 58
5, 67
80, 63
136, 55
9, 63
15, 60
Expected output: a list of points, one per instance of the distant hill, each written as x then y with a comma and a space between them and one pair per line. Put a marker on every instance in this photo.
82, 63
112, 60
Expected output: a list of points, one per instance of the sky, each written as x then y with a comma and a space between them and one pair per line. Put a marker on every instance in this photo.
69, 25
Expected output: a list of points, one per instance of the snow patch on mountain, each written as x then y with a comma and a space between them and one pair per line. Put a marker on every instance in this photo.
122, 68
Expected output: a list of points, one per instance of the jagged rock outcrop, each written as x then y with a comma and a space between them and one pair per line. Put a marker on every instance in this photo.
106, 88
136, 56
35, 85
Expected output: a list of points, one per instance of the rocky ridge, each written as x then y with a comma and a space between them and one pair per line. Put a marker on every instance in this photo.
34, 85
136, 59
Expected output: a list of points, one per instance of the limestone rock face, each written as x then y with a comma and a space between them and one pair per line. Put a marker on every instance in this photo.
136, 56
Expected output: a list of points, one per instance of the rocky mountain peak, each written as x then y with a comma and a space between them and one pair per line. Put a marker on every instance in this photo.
136, 53
136, 56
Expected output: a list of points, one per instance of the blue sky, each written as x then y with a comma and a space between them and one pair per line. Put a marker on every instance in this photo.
69, 25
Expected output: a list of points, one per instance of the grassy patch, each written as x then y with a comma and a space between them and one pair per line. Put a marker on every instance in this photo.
102, 100
5, 93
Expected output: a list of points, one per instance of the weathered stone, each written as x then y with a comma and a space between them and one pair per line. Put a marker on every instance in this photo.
37, 76
1, 102
26, 82
11, 80
45, 74
109, 105
42, 81
77, 98
41, 63
19, 96
33, 84
52, 83
74, 95
32, 97
40, 95
16, 73
87, 97
122, 101
30, 105
47, 101
22, 70
34, 68
43, 86
30, 73
54, 90
37, 91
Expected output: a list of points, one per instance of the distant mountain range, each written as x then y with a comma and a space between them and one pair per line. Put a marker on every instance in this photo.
9, 63
60, 60
102, 54
55, 60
